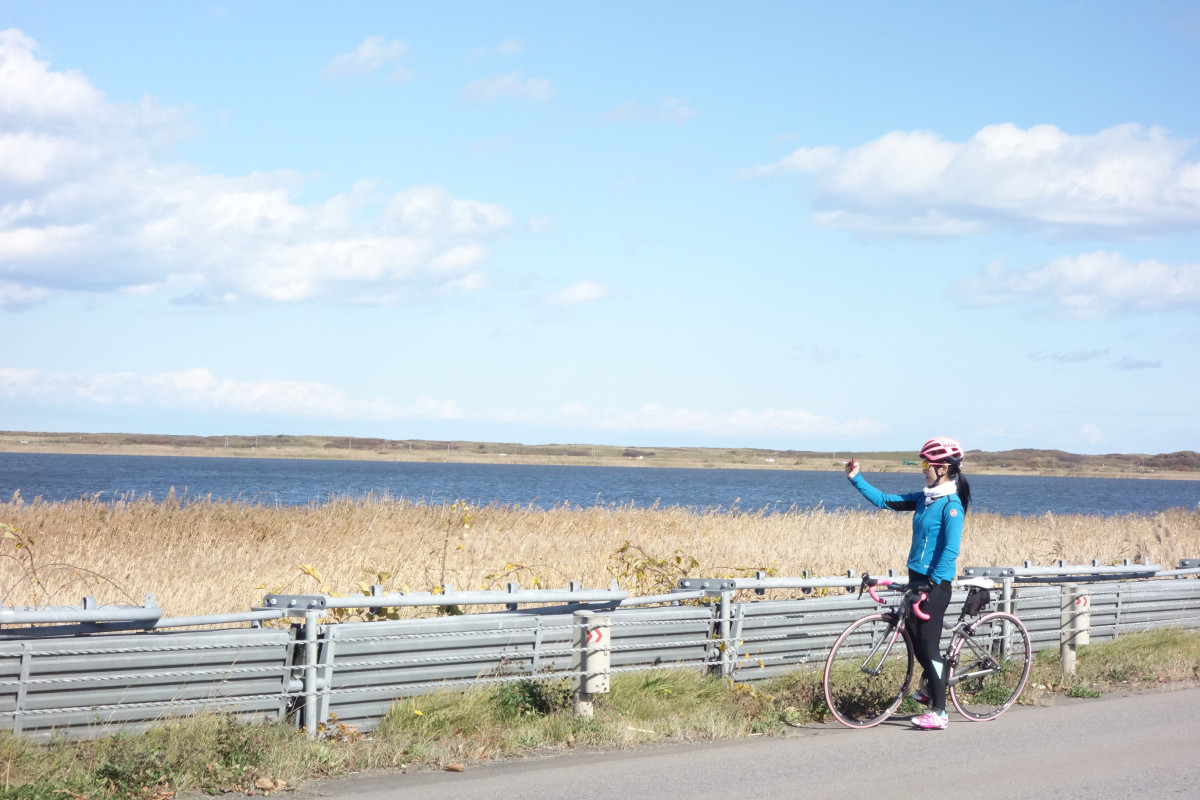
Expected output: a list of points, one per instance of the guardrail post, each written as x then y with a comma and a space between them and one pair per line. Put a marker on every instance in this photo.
1075, 620
310, 673
593, 648
728, 647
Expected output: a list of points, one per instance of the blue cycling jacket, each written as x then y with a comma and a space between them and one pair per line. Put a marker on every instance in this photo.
937, 528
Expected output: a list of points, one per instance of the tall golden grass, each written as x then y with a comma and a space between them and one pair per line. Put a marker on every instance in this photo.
218, 556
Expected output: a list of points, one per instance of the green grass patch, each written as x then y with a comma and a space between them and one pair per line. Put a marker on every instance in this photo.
1132, 661
210, 753
532, 715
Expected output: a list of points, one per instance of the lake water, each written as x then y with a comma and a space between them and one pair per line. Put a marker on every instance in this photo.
302, 482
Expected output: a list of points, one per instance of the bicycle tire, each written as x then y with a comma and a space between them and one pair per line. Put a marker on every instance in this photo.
996, 644
857, 698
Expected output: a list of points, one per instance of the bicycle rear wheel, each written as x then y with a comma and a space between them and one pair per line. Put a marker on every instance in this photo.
868, 671
991, 661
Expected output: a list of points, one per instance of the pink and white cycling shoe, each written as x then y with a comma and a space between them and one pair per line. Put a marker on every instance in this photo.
932, 721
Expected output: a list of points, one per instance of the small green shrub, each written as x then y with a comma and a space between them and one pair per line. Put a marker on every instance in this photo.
533, 697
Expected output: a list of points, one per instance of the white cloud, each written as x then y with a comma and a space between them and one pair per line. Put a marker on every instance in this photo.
1090, 285
514, 85
1091, 433
31, 90
401, 75
652, 417
458, 259
671, 110
471, 282
198, 391
1071, 357
369, 57
1128, 363
824, 355
1127, 179
806, 159
584, 292
509, 47
90, 201
16, 297
484, 148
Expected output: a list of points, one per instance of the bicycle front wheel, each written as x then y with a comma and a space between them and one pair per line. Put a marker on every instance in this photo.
991, 661
868, 671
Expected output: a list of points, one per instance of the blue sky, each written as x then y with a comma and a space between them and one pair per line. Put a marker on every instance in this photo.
780, 225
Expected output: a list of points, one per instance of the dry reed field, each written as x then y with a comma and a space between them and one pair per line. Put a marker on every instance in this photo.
214, 556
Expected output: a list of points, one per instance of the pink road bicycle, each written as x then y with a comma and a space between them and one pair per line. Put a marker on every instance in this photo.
869, 672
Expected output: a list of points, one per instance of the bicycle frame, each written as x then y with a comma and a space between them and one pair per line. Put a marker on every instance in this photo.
960, 630
909, 603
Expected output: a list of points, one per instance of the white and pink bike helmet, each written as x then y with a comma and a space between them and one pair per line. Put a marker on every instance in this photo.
942, 450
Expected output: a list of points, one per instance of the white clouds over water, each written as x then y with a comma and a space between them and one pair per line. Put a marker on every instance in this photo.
199, 391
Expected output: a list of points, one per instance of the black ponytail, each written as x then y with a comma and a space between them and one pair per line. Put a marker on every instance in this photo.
964, 488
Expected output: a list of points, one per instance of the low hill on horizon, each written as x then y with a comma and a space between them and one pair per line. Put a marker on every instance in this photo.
342, 447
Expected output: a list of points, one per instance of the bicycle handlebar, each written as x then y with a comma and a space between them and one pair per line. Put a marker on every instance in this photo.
916, 608
871, 590
870, 583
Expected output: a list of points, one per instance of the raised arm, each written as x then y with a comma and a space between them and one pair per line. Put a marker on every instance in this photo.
895, 502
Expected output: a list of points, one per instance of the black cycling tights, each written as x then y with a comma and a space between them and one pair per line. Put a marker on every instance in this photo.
927, 637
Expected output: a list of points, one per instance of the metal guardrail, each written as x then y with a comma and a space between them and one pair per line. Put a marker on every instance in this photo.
510, 597
78, 671
77, 686
363, 667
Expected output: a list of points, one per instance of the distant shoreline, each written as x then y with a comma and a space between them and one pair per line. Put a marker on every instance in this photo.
1035, 463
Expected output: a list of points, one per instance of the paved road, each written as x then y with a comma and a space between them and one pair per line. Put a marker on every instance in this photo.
1114, 747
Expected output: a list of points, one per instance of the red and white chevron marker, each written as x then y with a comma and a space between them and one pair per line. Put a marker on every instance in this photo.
592, 663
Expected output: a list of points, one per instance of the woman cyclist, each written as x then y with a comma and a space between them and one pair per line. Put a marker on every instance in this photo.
937, 532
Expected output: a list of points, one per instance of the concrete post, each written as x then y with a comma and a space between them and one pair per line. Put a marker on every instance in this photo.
1075, 620
593, 648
